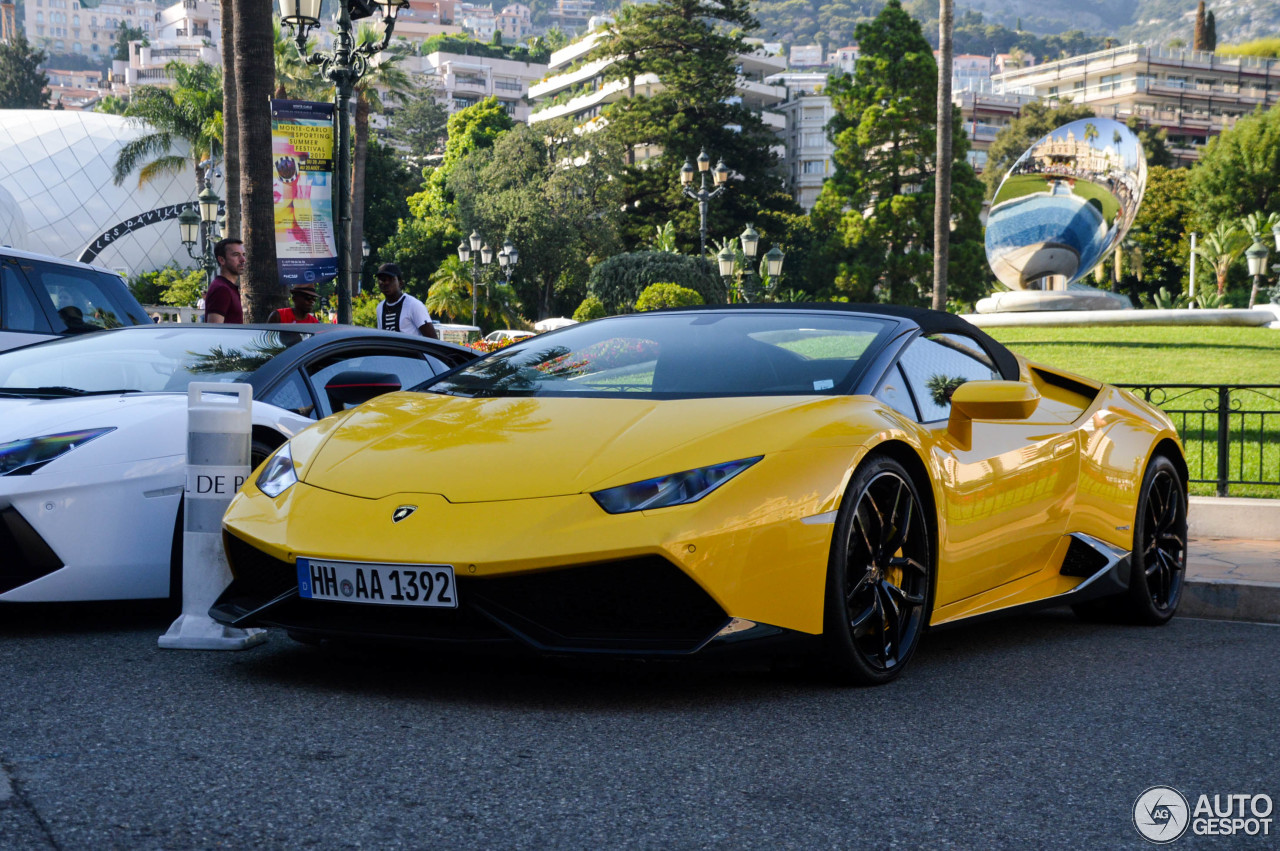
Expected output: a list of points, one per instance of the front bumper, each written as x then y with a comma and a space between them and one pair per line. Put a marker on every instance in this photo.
555, 573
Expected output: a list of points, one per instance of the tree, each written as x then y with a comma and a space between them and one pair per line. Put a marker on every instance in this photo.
522, 188
1237, 171
294, 78
691, 48
420, 125
877, 207
112, 105
1160, 231
22, 83
1210, 32
1220, 248
1199, 38
127, 34
942, 197
253, 59
1034, 122
389, 182
230, 116
186, 115
430, 234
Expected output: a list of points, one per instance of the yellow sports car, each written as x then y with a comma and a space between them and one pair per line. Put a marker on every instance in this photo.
670, 482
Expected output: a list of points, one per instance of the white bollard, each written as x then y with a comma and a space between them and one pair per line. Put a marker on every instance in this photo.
219, 434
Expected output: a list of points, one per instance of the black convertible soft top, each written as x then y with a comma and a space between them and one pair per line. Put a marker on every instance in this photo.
928, 321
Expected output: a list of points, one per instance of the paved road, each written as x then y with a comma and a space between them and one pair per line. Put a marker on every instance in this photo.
1033, 732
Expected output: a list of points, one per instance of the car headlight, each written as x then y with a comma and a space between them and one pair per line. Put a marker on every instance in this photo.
21, 457
675, 489
278, 475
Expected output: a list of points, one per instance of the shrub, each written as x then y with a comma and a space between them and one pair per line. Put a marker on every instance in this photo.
591, 308
656, 296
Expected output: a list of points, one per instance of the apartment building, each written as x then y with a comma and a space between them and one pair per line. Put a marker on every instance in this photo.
1191, 95
65, 26
460, 81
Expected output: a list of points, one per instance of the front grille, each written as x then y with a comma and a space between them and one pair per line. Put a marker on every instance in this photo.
26, 555
643, 605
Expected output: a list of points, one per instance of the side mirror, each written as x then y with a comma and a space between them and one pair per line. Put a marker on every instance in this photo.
988, 400
356, 387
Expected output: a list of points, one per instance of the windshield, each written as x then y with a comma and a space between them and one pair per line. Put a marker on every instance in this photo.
159, 358
681, 355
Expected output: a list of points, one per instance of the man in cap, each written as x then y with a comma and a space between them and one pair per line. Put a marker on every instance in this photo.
399, 311
304, 302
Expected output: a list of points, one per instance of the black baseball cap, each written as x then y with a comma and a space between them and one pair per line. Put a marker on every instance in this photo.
389, 269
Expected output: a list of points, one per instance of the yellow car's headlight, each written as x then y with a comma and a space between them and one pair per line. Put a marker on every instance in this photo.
278, 474
674, 489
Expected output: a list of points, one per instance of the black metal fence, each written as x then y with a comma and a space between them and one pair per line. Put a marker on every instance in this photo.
1231, 432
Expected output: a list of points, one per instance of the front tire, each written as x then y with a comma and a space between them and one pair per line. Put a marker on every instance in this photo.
880, 577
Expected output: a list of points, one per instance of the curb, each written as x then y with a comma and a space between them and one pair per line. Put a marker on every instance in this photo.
1234, 517
1228, 599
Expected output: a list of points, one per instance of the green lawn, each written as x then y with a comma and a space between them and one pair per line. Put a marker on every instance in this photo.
1180, 355
1155, 354
1032, 184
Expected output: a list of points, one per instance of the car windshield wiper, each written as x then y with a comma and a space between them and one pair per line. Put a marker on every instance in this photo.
59, 392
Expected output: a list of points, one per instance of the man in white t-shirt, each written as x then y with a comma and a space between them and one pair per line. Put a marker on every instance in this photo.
399, 311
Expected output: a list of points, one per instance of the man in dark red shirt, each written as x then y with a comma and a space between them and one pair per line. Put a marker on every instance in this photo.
222, 303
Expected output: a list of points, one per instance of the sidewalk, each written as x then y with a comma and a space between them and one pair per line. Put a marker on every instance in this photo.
1232, 578
1233, 560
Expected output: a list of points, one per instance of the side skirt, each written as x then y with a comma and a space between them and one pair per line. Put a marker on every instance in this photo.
1108, 580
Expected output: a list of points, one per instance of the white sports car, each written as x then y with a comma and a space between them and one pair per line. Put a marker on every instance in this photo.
93, 436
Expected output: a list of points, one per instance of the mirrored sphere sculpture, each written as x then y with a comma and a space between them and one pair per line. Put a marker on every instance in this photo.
1065, 205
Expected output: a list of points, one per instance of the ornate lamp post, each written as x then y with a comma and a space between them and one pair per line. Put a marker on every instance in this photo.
478, 251
1256, 254
201, 229
343, 66
507, 258
702, 195
750, 241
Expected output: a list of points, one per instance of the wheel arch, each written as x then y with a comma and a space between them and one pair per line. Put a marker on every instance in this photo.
1168, 447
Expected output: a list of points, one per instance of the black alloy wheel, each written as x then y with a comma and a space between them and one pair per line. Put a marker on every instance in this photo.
1160, 544
879, 581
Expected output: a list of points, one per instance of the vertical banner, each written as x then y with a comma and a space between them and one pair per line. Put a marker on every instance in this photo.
302, 163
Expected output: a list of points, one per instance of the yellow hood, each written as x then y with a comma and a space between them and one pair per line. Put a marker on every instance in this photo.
478, 450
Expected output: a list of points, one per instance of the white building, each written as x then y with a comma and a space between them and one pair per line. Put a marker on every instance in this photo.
575, 88
57, 196
459, 81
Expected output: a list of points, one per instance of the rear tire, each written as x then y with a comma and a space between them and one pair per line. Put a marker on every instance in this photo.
880, 577
1158, 565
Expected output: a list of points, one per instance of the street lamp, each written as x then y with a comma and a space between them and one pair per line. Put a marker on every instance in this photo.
475, 249
1257, 257
773, 258
201, 228
507, 258
343, 66
702, 195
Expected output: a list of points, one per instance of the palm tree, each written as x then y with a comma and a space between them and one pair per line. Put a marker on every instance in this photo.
293, 76
1221, 248
384, 75
230, 117
188, 113
450, 293
253, 57
942, 180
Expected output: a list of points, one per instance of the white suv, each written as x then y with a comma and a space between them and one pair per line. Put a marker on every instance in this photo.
43, 297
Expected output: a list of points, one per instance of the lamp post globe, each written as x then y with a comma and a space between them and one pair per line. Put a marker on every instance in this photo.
1256, 255
703, 194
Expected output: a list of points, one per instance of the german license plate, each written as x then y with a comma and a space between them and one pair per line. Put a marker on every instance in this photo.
429, 585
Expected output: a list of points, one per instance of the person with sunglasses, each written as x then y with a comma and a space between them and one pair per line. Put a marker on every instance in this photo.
304, 302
